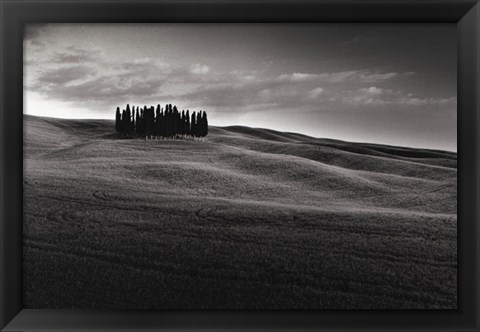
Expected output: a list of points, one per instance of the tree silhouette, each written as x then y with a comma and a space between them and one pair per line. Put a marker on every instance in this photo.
204, 126
175, 121
168, 122
198, 124
187, 123
157, 121
118, 120
162, 123
141, 125
137, 122
182, 124
132, 124
126, 119
126, 123
193, 124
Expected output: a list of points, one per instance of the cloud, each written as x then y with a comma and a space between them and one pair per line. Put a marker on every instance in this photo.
199, 69
383, 97
233, 95
76, 55
94, 86
289, 90
316, 92
417, 101
226, 96
338, 77
104, 90
85, 77
374, 91
361, 76
297, 77
64, 75
377, 77
364, 76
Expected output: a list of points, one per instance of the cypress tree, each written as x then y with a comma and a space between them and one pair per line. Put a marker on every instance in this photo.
157, 121
151, 112
200, 124
142, 122
152, 119
137, 122
162, 123
187, 124
169, 121
182, 123
118, 118
193, 125
129, 120
132, 123
205, 124
148, 127
126, 121
124, 118
175, 121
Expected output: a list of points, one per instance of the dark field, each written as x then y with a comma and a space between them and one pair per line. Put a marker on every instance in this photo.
250, 218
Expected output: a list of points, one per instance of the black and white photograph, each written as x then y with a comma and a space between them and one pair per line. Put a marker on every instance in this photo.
239, 166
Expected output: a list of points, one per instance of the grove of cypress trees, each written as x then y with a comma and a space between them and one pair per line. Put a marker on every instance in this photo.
157, 122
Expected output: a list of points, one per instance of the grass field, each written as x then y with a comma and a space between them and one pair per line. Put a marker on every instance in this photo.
249, 218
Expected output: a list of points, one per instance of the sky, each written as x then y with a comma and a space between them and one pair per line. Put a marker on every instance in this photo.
382, 83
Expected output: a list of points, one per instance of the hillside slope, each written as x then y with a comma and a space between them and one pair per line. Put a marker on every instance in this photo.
249, 218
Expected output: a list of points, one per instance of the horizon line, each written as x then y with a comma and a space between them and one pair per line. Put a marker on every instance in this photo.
263, 128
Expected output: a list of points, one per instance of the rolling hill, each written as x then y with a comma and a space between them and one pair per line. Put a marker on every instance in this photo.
248, 219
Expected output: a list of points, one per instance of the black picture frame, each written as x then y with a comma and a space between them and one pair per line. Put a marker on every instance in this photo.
15, 14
